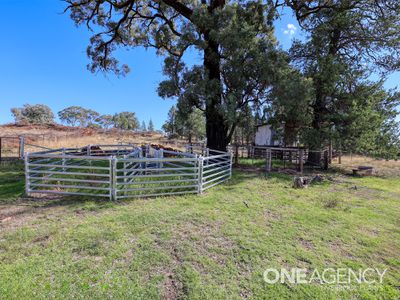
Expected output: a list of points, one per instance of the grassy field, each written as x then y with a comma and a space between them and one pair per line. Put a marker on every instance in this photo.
213, 246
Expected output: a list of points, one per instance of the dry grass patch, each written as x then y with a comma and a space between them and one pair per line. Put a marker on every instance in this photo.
387, 168
58, 136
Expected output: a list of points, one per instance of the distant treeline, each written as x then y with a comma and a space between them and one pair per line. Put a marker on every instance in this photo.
79, 116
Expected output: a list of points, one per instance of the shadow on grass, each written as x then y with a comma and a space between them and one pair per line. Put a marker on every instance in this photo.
12, 180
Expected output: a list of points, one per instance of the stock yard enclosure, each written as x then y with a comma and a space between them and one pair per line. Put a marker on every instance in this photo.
125, 171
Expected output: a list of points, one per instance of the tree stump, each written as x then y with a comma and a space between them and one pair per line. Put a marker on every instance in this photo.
300, 182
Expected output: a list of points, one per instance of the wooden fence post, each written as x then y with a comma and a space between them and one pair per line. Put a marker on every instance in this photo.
236, 154
21, 146
269, 160
326, 160
301, 157
340, 157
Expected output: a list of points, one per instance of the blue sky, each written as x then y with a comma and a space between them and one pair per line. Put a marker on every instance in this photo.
43, 60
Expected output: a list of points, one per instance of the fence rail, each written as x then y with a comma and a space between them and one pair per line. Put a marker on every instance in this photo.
124, 171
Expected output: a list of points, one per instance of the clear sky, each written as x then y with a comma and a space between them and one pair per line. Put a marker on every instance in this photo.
43, 60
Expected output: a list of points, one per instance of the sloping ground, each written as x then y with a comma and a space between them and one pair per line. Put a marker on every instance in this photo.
59, 136
213, 246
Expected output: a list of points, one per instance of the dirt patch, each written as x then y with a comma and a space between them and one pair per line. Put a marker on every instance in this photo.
365, 193
270, 215
15, 216
204, 240
42, 240
307, 244
372, 232
337, 247
28, 210
9, 212
172, 288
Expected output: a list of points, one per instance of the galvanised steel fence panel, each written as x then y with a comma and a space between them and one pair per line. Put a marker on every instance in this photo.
68, 175
124, 171
216, 169
157, 177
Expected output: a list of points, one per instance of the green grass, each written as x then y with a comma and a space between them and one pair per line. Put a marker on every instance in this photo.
213, 246
261, 163
11, 182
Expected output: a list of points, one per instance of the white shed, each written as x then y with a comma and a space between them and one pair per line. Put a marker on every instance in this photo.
266, 136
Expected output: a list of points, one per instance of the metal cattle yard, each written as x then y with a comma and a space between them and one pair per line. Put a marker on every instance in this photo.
125, 171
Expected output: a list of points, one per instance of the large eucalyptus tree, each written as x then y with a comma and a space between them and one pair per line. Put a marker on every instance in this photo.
235, 39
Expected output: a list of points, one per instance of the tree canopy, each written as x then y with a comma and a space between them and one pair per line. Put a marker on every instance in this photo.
310, 89
143, 127
34, 114
187, 124
126, 120
77, 115
105, 121
150, 127
235, 38
348, 40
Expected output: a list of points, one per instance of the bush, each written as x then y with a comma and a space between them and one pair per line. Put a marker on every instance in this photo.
33, 114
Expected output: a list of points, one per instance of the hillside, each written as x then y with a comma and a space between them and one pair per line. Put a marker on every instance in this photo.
58, 136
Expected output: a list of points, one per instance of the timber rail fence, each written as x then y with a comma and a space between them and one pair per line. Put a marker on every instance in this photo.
125, 171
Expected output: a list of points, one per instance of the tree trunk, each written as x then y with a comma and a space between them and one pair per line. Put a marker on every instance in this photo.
216, 127
320, 110
314, 156
190, 139
290, 135
216, 132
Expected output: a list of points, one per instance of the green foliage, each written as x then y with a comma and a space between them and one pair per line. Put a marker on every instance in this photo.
126, 120
185, 123
75, 115
236, 39
33, 114
143, 127
170, 126
249, 59
291, 104
150, 127
191, 124
349, 40
245, 127
242, 67
105, 121
367, 123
